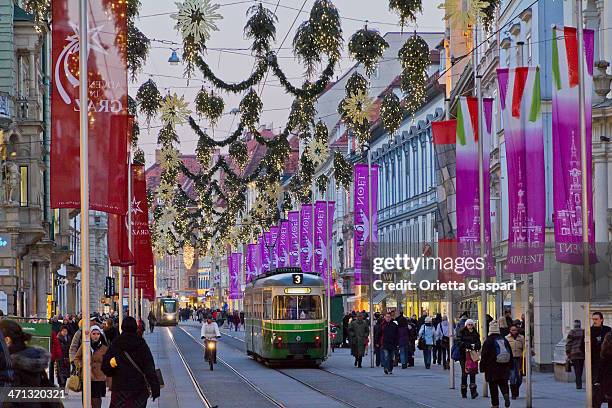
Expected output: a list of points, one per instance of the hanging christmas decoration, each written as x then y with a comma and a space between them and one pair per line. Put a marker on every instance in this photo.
174, 110
322, 183
209, 105
196, 19
139, 157
488, 16
203, 154
188, 255
260, 28
407, 9
317, 151
367, 47
250, 109
356, 83
343, 171
391, 113
305, 48
359, 107
39, 9
138, 46
169, 158
464, 14
149, 99
325, 22
238, 152
414, 57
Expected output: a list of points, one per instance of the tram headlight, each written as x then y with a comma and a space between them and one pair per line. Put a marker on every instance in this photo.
279, 342
317, 341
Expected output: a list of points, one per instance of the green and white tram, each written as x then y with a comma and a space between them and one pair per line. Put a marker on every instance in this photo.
285, 319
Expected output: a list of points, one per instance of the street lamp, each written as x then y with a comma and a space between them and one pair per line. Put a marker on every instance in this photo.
174, 59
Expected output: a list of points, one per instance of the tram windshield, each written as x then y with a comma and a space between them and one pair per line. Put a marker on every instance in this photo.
297, 307
169, 306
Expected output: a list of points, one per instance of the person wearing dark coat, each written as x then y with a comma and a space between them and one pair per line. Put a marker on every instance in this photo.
605, 369
407, 337
388, 341
358, 332
468, 340
110, 331
63, 364
153, 320
574, 350
28, 364
598, 333
496, 373
129, 387
377, 332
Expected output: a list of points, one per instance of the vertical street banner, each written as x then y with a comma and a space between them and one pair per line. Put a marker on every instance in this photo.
324, 220
107, 107
364, 192
251, 262
282, 253
468, 191
118, 241
266, 257
234, 263
519, 93
273, 243
567, 162
294, 238
141, 236
306, 244
260, 256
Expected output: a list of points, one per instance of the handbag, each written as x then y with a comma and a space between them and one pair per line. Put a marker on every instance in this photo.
158, 373
474, 355
471, 365
456, 352
568, 366
421, 344
75, 382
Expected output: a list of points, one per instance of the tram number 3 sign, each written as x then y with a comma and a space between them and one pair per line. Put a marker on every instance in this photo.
298, 278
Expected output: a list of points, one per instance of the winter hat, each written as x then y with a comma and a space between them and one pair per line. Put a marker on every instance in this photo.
469, 321
428, 319
493, 328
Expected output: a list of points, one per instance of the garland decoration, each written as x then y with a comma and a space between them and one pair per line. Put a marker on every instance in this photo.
238, 152
367, 47
209, 105
305, 48
138, 46
356, 83
139, 157
195, 20
414, 57
174, 110
39, 9
391, 113
343, 171
188, 255
302, 114
149, 99
322, 183
250, 109
465, 13
406, 9
488, 14
325, 22
260, 28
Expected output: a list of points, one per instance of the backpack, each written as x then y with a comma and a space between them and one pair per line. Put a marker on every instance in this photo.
502, 354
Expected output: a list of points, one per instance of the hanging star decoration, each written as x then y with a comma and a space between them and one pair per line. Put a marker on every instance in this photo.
196, 19
464, 17
317, 151
174, 110
169, 158
188, 255
359, 107
259, 206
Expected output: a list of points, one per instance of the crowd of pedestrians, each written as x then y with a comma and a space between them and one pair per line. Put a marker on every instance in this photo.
234, 320
120, 361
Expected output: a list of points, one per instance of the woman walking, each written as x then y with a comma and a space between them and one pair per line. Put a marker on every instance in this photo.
99, 347
468, 341
152, 320
130, 363
358, 334
426, 341
517, 344
63, 364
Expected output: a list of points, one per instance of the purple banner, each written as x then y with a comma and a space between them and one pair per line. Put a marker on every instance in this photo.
259, 269
363, 195
250, 262
234, 262
266, 246
519, 90
567, 168
282, 254
273, 244
306, 252
468, 197
294, 238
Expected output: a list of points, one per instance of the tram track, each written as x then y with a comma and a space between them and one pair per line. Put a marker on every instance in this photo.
194, 381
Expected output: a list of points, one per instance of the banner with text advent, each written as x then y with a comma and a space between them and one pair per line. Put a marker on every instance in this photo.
567, 169
365, 191
519, 93
108, 118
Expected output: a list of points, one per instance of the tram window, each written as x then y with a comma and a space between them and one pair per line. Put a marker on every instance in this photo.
169, 307
297, 307
267, 304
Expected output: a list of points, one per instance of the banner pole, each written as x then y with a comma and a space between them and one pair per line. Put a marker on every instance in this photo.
371, 276
585, 209
120, 297
84, 183
451, 314
327, 275
130, 282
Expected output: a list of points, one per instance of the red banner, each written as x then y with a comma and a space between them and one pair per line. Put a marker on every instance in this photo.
118, 245
107, 107
141, 236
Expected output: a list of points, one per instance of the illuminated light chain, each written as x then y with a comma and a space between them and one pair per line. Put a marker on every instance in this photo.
414, 57
343, 171
464, 14
149, 99
260, 28
188, 255
406, 9
209, 105
322, 183
325, 22
367, 47
238, 151
391, 113
250, 109
138, 47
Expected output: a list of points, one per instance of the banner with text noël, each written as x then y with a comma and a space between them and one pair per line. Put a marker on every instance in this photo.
107, 106
294, 238
306, 244
234, 263
366, 218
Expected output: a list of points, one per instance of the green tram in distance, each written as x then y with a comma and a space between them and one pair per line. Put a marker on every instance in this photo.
165, 310
285, 318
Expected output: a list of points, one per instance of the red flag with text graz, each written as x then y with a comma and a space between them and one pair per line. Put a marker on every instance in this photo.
107, 106
141, 236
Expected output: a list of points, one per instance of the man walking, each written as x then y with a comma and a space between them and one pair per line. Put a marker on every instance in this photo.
517, 345
574, 350
598, 333
388, 341
495, 362
358, 332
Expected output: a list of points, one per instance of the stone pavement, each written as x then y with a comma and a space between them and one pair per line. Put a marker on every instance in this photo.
431, 387
178, 391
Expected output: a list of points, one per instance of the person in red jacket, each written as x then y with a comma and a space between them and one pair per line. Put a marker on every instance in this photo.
56, 355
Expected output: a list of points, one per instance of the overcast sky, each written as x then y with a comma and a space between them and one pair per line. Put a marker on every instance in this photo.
235, 64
